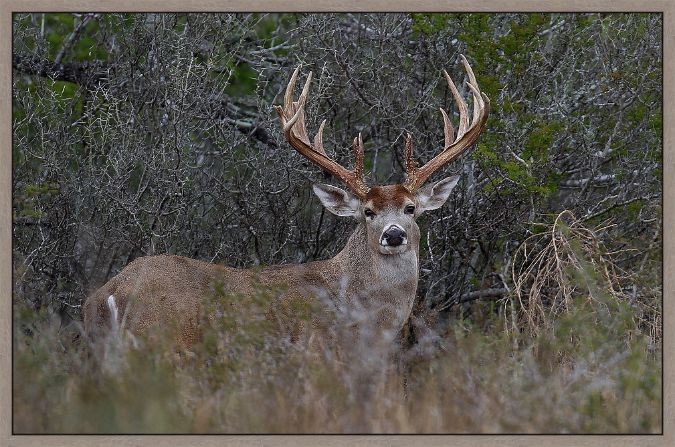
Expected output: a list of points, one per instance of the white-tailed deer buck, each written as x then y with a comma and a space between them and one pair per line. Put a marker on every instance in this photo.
379, 263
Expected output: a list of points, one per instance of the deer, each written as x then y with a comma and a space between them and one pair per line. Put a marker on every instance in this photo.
379, 262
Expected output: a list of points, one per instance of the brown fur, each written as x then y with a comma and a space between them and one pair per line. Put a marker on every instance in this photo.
381, 197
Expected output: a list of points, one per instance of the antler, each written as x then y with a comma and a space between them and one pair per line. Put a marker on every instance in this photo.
292, 117
454, 147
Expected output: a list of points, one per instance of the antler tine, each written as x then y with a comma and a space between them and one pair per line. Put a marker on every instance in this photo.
466, 134
410, 163
473, 85
478, 102
448, 129
288, 110
461, 105
358, 157
290, 89
292, 118
299, 107
305, 90
318, 140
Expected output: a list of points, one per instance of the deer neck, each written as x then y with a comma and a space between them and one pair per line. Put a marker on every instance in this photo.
362, 264
385, 283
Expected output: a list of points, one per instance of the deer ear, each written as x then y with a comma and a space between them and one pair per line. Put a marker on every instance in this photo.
434, 196
336, 200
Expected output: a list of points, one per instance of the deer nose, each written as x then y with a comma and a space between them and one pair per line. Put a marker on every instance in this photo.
394, 236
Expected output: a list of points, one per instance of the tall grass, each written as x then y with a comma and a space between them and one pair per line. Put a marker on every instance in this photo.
567, 352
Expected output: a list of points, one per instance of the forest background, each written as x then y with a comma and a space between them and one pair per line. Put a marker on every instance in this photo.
539, 305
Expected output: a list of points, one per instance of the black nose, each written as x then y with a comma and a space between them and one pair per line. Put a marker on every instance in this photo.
394, 236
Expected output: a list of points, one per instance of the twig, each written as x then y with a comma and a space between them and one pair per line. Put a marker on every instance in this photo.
616, 205
485, 293
73, 36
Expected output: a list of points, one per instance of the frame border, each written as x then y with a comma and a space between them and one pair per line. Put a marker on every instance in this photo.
7, 7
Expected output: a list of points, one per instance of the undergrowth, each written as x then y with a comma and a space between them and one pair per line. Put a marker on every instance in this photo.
568, 351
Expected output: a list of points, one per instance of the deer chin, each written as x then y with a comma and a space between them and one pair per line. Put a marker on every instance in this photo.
389, 250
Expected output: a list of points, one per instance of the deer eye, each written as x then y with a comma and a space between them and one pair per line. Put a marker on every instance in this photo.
410, 209
369, 213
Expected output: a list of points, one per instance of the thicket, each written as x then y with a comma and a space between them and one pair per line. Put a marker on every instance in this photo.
540, 296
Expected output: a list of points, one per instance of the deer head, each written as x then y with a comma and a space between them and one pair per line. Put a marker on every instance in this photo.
388, 212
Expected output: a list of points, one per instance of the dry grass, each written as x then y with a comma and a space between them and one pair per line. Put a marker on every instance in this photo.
567, 262
573, 357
